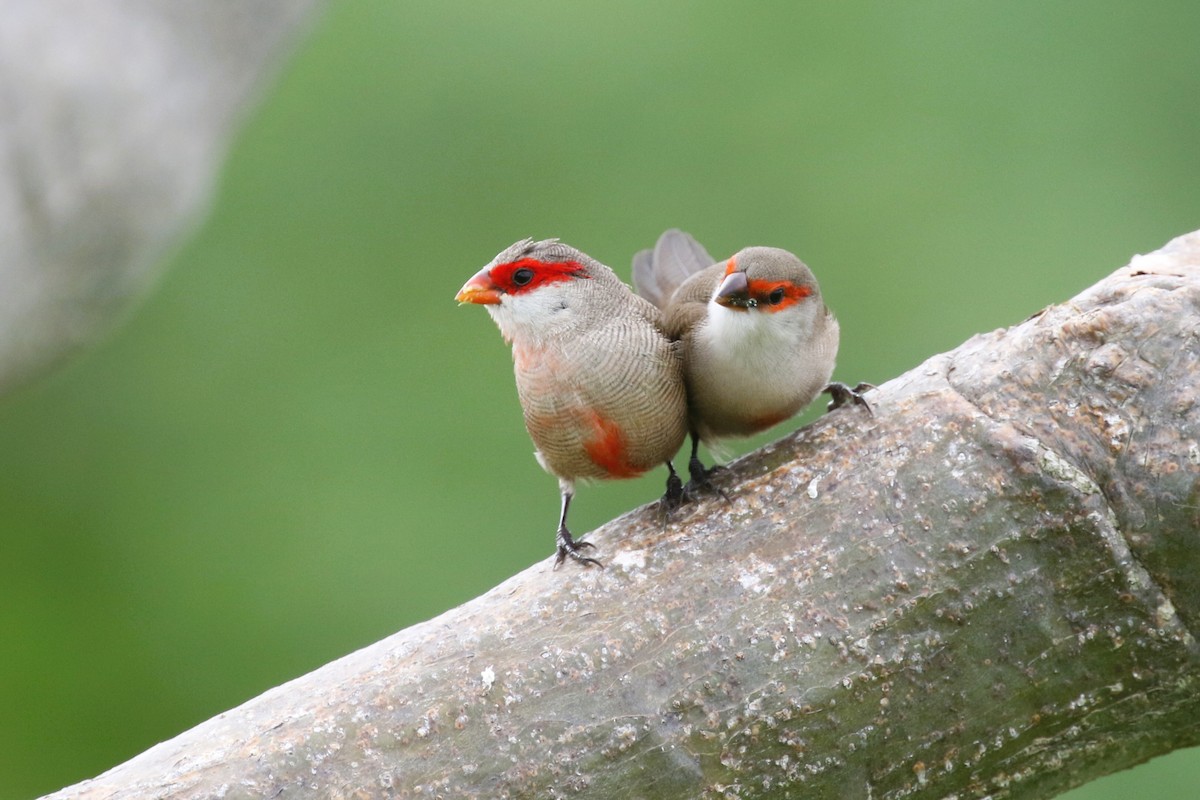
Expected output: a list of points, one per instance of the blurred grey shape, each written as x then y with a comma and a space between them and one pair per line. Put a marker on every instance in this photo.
115, 116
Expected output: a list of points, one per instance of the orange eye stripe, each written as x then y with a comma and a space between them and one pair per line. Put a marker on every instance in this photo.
731, 266
792, 294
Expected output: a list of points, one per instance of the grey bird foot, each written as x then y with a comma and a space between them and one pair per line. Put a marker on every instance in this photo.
569, 548
843, 394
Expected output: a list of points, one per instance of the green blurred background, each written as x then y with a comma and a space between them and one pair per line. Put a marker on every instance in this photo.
299, 444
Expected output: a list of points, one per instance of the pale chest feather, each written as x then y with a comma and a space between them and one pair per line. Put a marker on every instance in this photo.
748, 372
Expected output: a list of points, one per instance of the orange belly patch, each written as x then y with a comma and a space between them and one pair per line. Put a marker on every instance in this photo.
607, 448
768, 421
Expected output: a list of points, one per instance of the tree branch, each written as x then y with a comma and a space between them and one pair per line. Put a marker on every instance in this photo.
987, 588
117, 115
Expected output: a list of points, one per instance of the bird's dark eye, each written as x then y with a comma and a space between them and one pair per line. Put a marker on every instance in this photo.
775, 297
522, 276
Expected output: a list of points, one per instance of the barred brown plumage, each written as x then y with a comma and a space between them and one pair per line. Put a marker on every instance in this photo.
600, 384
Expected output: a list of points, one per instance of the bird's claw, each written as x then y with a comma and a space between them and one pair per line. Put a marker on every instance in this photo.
569, 548
843, 394
700, 480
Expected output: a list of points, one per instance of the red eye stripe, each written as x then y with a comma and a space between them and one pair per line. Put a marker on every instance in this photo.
792, 293
506, 278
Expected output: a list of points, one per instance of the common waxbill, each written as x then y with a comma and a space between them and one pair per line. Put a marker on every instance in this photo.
759, 342
600, 383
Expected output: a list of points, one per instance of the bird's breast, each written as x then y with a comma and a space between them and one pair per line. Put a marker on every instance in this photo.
747, 373
602, 405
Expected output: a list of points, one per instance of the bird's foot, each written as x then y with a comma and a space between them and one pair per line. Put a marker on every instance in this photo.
843, 394
674, 497
569, 548
700, 480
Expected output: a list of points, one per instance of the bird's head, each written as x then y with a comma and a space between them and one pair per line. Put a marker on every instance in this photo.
766, 280
528, 285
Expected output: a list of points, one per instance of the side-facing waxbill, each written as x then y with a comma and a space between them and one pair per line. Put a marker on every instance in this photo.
600, 383
759, 341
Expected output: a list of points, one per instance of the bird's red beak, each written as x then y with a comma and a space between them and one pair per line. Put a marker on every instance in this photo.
479, 289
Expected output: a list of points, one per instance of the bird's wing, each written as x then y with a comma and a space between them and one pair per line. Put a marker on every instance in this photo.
657, 273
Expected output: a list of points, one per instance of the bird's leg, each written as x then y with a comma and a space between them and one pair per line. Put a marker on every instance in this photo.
700, 476
567, 546
843, 394
673, 497
697, 472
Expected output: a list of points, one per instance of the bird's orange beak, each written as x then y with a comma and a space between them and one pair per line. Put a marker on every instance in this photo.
479, 289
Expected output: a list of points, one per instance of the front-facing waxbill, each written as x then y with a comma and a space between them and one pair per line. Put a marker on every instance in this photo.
759, 342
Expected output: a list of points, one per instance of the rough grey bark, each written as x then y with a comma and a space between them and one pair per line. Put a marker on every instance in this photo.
985, 589
114, 118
